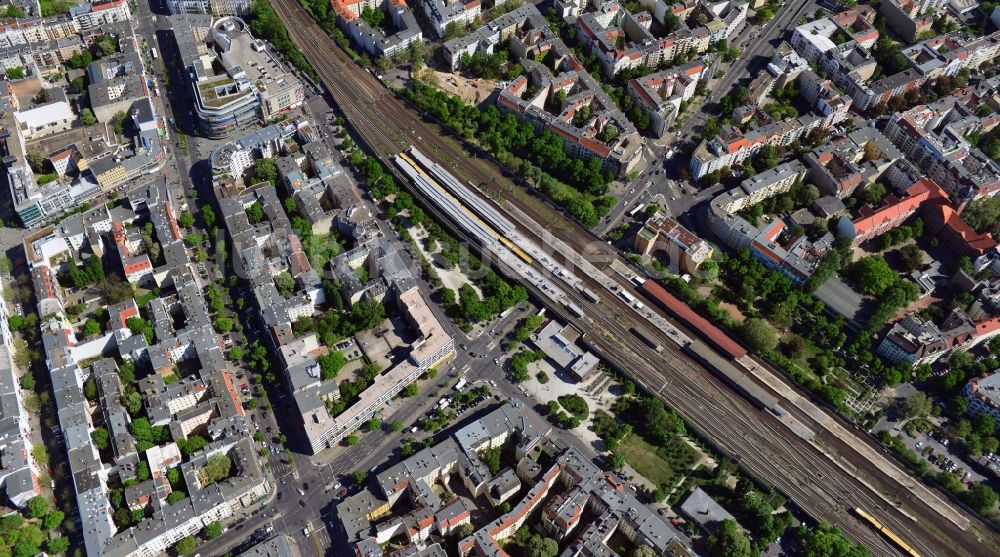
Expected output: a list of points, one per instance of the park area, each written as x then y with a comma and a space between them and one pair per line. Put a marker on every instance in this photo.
658, 464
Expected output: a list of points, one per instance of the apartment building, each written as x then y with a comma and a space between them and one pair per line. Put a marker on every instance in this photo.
875, 221
218, 8
919, 341
115, 83
798, 258
433, 346
983, 394
583, 487
92, 15
732, 146
486, 38
944, 223
913, 340
906, 17
44, 120
19, 472
442, 13
620, 39
660, 94
686, 251
934, 137
375, 41
205, 400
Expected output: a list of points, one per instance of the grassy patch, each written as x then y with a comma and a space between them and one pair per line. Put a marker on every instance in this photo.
646, 460
46, 178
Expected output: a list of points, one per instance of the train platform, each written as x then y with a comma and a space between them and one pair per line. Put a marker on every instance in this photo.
889, 467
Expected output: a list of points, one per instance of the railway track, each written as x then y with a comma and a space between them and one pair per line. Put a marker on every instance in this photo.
756, 439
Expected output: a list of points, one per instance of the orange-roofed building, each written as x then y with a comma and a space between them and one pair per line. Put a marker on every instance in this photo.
944, 223
874, 222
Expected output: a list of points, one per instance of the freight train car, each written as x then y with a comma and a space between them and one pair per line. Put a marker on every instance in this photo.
647, 338
735, 377
712, 334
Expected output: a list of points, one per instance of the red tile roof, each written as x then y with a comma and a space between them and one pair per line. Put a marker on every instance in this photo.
896, 211
949, 218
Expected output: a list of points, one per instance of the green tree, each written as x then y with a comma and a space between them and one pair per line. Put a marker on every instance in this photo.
15, 73
759, 334
395, 425
142, 471
373, 16
223, 324
118, 122
132, 403
100, 437
186, 546
208, 216
212, 531
991, 444
367, 313
463, 531
729, 541
90, 389
176, 496
576, 405
192, 444
27, 381
374, 424
255, 212
918, 405
540, 546
285, 284
644, 551
57, 545
983, 214
91, 328
360, 476
491, 457
186, 220
53, 520
351, 440
265, 170
330, 364
982, 498
217, 468
873, 275
616, 460
983, 424
37, 507
87, 117
873, 194
910, 257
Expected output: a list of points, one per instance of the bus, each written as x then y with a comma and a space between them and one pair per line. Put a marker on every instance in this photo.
638, 208
152, 52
